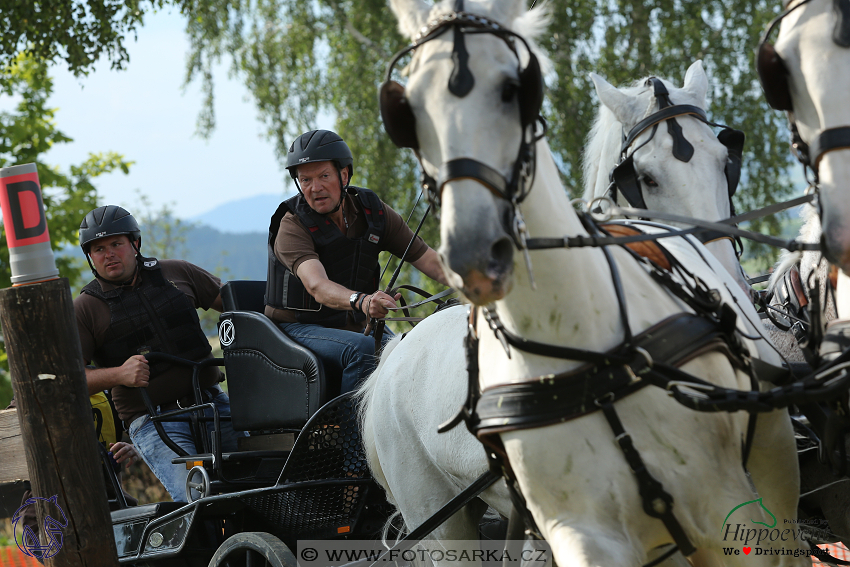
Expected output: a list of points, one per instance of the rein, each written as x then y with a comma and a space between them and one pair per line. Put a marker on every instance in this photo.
724, 226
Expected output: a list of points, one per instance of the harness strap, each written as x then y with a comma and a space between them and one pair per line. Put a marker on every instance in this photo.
657, 502
544, 349
558, 398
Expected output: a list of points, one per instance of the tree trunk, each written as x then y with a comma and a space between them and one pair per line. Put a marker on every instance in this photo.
48, 376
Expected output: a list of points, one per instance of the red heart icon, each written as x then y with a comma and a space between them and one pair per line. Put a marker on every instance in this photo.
747, 550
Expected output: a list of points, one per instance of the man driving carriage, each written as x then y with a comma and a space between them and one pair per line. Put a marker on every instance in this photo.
323, 257
136, 305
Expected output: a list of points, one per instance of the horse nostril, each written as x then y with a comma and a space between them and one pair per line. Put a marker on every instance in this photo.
501, 258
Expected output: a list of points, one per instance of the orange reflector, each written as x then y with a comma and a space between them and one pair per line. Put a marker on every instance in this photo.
190, 464
343, 530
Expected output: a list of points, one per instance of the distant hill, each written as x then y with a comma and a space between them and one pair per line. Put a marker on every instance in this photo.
230, 256
250, 214
230, 240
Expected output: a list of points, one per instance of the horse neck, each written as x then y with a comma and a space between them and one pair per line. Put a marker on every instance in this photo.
574, 286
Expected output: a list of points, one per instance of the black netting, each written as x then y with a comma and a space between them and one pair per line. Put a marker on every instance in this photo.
329, 448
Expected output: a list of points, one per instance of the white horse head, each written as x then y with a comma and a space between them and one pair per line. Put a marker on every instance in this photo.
498, 83
810, 79
464, 108
692, 183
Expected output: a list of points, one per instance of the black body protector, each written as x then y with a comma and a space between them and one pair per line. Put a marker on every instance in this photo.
350, 262
154, 316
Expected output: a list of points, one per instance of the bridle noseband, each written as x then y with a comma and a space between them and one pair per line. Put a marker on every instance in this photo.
400, 124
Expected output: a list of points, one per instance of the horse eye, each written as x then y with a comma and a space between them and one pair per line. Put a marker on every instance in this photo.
509, 90
650, 182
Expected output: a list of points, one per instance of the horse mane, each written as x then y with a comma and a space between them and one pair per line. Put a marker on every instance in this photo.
809, 232
603, 146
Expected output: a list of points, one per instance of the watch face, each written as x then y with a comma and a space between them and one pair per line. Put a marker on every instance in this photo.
353, 297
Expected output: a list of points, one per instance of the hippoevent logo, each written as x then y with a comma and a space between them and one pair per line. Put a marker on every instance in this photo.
755, 537
27, 539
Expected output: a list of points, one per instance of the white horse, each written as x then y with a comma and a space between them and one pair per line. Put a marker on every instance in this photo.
574, 478
806, 78
801, 74
804, 74
695, 187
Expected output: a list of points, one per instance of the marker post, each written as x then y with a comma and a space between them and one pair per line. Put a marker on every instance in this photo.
48, 376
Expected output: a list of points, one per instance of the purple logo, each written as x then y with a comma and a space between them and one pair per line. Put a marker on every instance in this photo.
28, 541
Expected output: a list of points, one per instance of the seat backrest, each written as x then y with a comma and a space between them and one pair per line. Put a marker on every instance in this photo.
244, 295
273, 382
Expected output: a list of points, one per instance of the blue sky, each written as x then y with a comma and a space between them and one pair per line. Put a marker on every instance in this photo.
144, 113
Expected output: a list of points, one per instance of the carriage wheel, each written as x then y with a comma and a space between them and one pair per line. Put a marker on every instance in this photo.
253, 549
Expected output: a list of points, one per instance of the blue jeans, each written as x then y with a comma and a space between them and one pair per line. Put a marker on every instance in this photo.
158, 456
341, 352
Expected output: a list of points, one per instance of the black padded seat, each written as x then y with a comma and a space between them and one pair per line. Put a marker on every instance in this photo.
273, 382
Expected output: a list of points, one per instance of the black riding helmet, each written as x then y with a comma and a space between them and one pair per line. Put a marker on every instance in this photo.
108, 221
105, 221
319, 145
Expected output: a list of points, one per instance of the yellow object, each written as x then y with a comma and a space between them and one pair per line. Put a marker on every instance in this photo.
104, 420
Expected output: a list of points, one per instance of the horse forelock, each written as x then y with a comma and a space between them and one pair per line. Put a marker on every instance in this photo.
529, 24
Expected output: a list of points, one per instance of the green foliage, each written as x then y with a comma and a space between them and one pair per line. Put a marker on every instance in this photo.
5, 388
640, 38
25, 135
302, 58
77, 32
163, 235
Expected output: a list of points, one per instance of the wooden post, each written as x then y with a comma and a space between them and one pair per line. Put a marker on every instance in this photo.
48, 376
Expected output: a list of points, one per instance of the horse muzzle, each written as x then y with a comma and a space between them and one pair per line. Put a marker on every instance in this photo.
476, 246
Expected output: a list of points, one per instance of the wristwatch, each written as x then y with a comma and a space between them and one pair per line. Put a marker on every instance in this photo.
353, 299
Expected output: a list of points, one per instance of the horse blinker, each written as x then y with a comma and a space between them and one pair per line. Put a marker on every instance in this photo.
399, 120
773, 76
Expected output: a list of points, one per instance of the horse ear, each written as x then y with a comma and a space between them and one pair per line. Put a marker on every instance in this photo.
696, 81
412, 15
625, 107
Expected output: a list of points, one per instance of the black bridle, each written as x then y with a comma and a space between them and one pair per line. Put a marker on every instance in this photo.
624, 177
773, 75
399, 120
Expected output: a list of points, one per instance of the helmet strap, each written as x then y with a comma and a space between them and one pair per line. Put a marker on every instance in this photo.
138, 262
342, 190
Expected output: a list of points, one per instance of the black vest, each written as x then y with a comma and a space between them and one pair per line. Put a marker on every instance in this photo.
154, 315
350, 262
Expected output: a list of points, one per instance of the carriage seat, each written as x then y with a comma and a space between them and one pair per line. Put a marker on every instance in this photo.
273, 382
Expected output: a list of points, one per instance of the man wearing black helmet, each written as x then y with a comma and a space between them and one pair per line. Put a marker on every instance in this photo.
137, 305
323, 257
